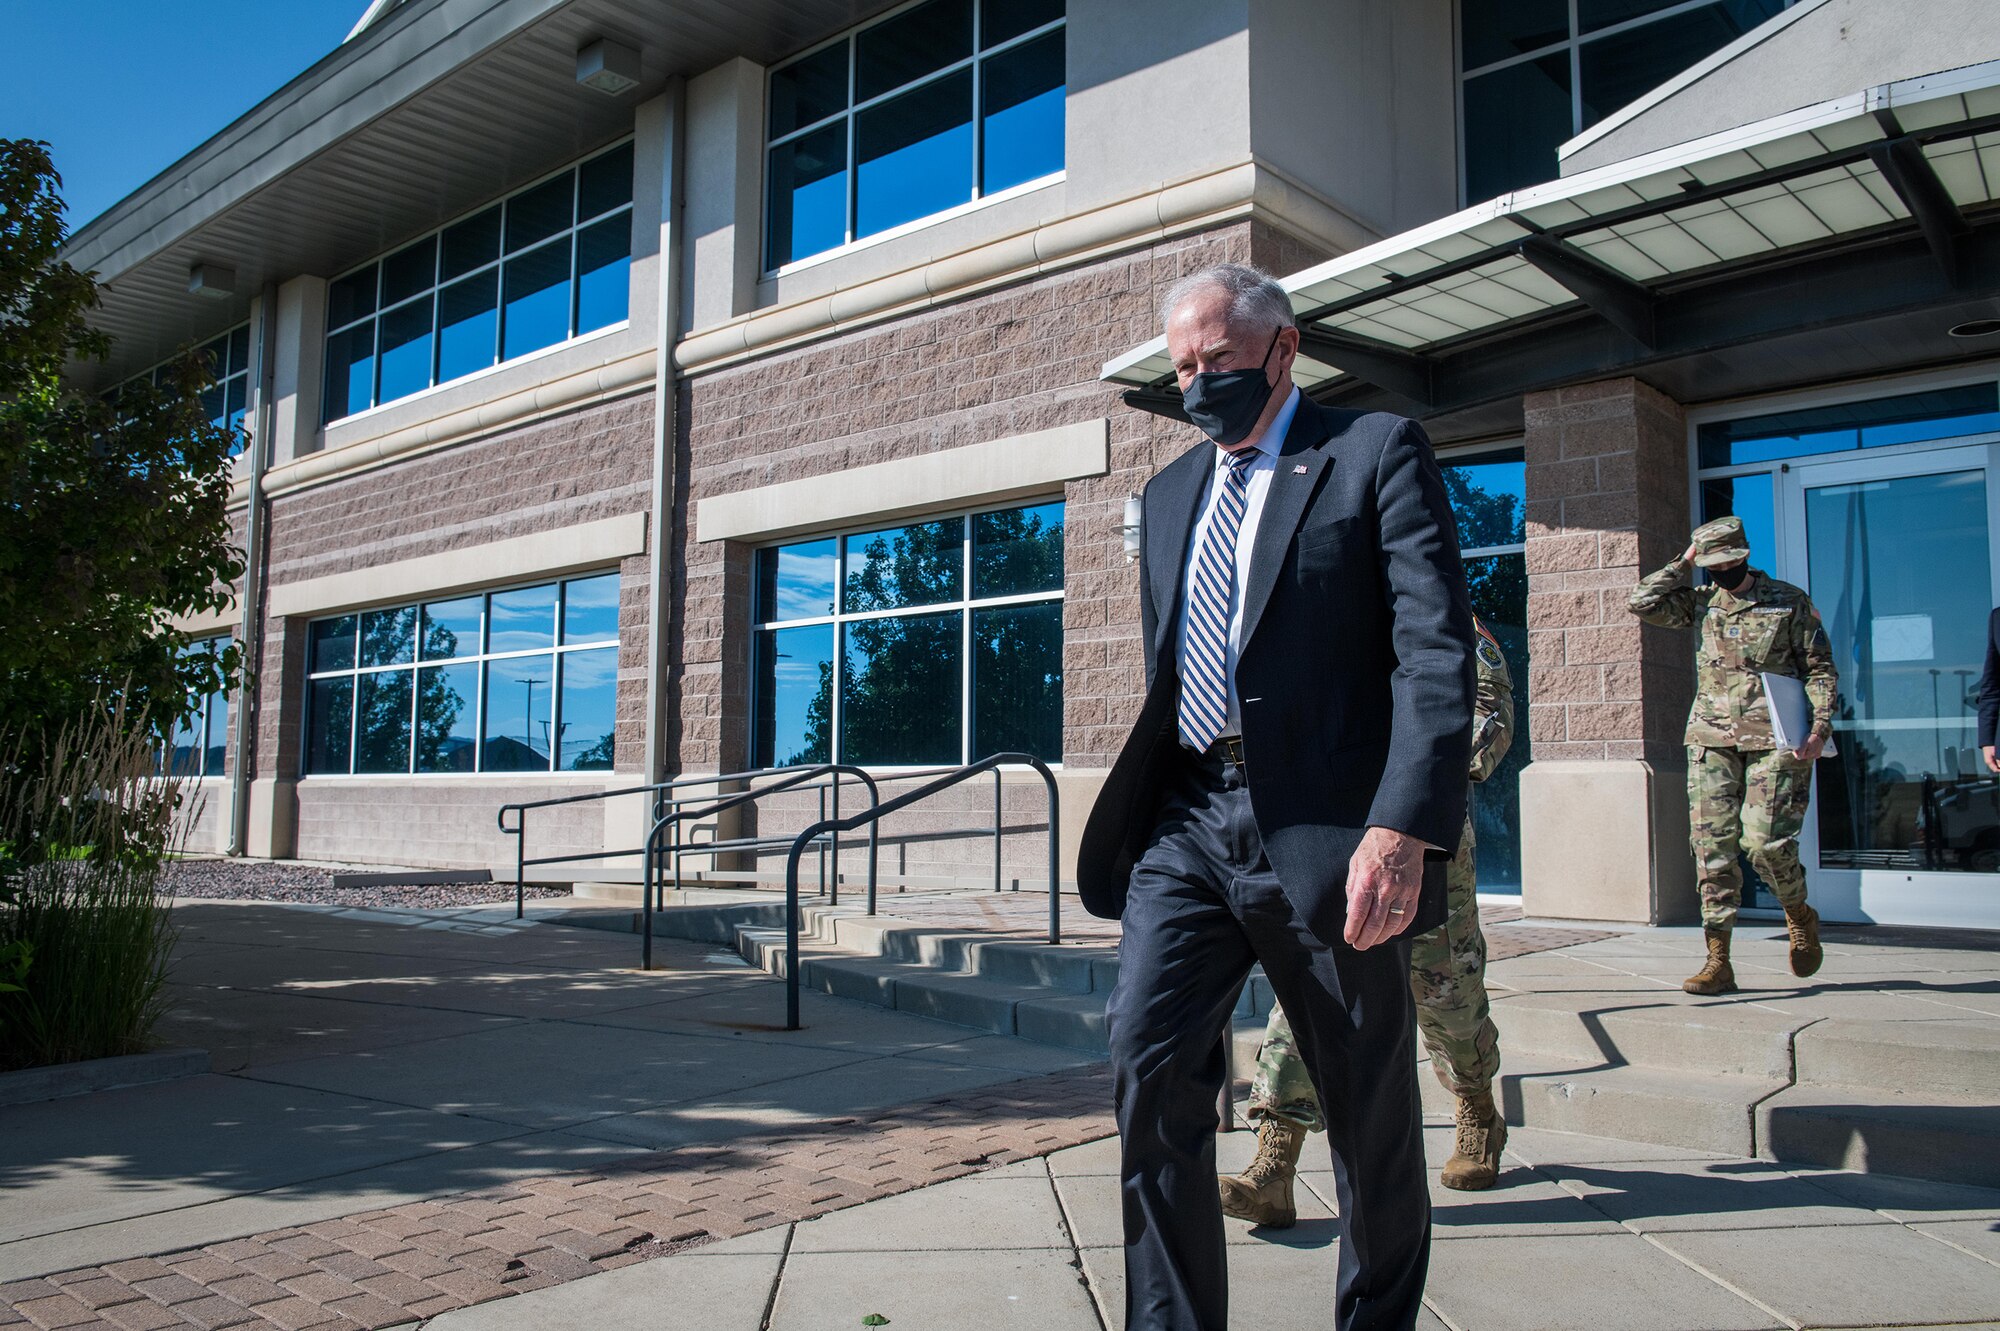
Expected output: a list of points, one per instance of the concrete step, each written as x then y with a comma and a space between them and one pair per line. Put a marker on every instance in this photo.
1958, 1059
1923, 1135
1708, 1112
1732, 1077
616, 894
1737, 1039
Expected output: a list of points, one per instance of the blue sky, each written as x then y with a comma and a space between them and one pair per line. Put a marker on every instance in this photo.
121, 89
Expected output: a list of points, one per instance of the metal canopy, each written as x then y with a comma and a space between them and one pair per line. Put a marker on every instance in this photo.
1619, 248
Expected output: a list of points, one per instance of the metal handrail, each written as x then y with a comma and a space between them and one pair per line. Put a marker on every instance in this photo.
872, 816
800, 776
658, 789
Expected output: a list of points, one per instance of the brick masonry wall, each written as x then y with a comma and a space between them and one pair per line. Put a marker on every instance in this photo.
1004, 363
592, 463
1607, 503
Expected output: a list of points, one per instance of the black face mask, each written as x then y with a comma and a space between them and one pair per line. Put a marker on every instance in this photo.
1225, 404
1730, 579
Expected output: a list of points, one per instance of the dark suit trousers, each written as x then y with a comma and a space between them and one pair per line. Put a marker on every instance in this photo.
1204, 905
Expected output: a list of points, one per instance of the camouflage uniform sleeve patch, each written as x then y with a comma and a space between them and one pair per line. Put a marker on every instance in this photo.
1489, 650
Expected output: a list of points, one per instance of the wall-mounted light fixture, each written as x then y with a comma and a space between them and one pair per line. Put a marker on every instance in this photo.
1130, 528
207, 279
608, 66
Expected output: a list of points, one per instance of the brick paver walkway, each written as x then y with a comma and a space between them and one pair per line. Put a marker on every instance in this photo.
387, 1267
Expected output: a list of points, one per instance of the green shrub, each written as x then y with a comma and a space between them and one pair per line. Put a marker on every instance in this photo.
85, 921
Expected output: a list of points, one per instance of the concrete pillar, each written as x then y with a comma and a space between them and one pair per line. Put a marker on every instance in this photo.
725, 184
299, 367
1603, 805
281, 700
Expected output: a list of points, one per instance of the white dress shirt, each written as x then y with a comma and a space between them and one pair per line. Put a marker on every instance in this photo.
1257, 484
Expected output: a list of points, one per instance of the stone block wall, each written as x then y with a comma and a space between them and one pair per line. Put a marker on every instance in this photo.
585, 465
592, 463
1607, 503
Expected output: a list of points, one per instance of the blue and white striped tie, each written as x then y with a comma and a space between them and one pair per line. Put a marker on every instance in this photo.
1205, 637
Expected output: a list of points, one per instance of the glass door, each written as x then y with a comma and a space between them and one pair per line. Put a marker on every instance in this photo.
1898, 554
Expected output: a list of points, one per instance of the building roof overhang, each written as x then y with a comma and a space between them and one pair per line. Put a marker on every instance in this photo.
1807, 225
427, 110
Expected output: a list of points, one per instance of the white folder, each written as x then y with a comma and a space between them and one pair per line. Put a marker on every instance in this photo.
1791, 712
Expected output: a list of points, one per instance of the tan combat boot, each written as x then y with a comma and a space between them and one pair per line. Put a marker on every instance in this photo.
1717, 976
1482, 1135
1803, 926
1262, 1194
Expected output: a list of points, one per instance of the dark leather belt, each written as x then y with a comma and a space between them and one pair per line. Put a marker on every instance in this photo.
1226, 749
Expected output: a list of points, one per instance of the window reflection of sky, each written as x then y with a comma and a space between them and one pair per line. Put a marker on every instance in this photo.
795, 661
1906, 418
522, 620
590, 609
589, 710
796, 581
1489, 498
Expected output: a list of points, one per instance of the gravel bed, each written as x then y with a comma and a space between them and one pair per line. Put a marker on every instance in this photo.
275, 880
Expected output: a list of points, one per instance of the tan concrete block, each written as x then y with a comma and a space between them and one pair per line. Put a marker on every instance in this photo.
1611, 642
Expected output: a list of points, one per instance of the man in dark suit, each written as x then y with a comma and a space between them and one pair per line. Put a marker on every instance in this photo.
1297, 769
1989, 694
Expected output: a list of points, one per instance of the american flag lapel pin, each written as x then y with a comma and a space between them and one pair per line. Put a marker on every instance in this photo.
1299, 470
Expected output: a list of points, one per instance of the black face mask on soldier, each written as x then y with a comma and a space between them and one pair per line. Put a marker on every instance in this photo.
1730, 579
1225, 404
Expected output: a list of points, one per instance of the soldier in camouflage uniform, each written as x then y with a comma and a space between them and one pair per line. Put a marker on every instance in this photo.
1448, 977
1743, 790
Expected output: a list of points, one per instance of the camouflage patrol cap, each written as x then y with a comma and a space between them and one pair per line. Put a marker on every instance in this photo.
1720, 542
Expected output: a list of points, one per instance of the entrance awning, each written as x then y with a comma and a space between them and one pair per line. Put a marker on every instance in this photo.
1647, 258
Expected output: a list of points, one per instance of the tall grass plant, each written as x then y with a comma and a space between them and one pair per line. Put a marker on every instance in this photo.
85, 913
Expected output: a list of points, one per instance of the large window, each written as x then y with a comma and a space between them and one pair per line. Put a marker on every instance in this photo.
522, 680
546, 264
200, 743
939, 104
1488, 493
1535, 73
227, 400
928, 644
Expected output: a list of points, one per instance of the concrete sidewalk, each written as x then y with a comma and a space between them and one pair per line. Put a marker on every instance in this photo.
456, 1117
1583, 1232
365, 1059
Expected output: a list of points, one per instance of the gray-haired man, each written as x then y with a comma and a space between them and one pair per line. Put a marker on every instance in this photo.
1297, 769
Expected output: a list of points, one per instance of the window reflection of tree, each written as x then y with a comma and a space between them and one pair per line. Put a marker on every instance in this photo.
900, 695
1499, 587
439, 705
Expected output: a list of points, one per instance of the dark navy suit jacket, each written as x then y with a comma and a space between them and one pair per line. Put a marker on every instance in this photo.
1355, 675
1989, 683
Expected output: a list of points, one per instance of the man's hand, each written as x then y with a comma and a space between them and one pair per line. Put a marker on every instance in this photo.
1992, 763
1814, 746
1384, 880
1687, 555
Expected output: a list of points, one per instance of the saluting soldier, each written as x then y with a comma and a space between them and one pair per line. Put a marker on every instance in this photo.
1448, 977
1743, 790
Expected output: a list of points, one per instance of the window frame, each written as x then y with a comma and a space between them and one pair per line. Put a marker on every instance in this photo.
232, 373
965, 606
481, 658
1571, 47
496, 266
851, 112
1502, 450
164, 761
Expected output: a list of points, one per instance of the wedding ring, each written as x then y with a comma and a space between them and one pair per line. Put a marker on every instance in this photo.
1395, 910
